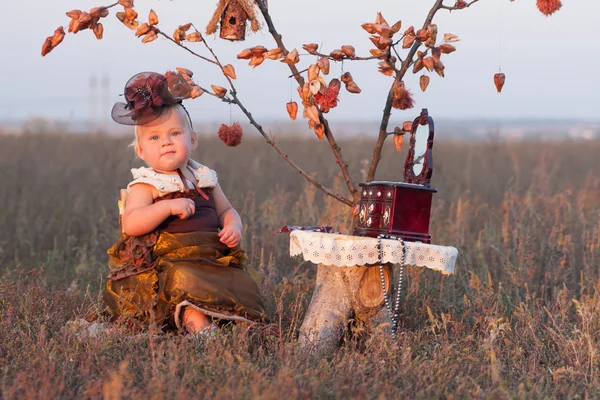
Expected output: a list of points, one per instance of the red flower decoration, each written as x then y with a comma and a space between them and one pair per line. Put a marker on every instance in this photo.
402, 97
329, 99
548, 7
231, 135
146, 94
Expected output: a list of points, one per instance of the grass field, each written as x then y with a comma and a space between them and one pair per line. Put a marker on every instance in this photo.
520, 318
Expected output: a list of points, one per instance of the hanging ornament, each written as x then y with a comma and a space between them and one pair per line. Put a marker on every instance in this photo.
499, 79
231, 135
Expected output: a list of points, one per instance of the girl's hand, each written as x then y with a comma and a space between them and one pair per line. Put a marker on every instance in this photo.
183, 208
230, 235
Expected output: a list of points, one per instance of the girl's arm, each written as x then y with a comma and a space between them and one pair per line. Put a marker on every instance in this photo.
141, 216
228, 216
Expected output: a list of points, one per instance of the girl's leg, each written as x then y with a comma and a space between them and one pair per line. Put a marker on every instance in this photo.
194, 321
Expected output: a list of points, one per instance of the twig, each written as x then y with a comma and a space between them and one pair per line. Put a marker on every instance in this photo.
328, 134
458, 8
185, 47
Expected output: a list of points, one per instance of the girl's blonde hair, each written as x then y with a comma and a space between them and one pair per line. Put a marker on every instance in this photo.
178, 107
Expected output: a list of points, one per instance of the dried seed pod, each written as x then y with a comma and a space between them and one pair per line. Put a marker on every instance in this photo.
58, 36
460, 4
256, 61
313, 72
311, 47
219, 90
315, 86
450, 38
337, 54
193, 37
196, 92
431, 35
98, 30
369, 27
258, 50
383, 30
422, 35
407, 126
346, 77
377, 52
311, 112
376, 40
398, 141
47, 46
292, 57
408, 41
99, 12
74, 14
178, 35
352, 87
397, 26
150, 37
386, 68
428, 63
439, 69
152, 18
143, 29
424, 82
323, 64
436, 53
384, 42
185, 27
126, 3
380, 20
184, 72
320, 131
245, 54
410, 30
130, 14
292, 109
274, 54
229, 71
447, 48
499, 79
349, 50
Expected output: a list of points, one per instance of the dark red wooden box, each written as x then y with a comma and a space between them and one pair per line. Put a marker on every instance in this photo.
402, 208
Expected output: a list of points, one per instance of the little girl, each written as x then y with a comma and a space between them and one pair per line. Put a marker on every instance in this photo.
176, 262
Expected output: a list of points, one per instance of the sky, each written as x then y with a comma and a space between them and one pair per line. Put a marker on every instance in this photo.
551, 63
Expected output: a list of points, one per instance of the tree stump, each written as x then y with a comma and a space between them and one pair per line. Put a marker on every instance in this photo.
340, 294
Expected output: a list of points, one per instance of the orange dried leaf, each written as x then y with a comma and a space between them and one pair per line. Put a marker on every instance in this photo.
229, 71
397, 26
418, 65
323, 64
219, 90
337, 54
255, 61
99, 12
422, 35
292, 57
196, 92
410, 30
292, 109
428, 63
352, 87
245, 54
313, 72
74, 14
311, 47
349, 50
398, 141
447, 48
274, 54
377, 52
369, 27
126, 3
59, 35
47, 46
408, 41
320, 130
450, 38
424, 82
142, 29
150, 37
185, 71
386, 68
98, 30
258, 50
499, 79
193, 37
178, 36
346, 77
383, 30
130, 14
311, 112
152, 18
380, 20
185, 27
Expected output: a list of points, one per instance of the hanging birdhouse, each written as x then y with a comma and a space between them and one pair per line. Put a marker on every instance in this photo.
231, 17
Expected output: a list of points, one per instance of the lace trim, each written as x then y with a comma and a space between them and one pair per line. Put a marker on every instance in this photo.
345, 251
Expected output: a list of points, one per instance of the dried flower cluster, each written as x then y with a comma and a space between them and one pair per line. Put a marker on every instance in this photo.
549, 7
231, 135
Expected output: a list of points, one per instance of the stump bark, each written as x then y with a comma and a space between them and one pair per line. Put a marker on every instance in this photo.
340, 294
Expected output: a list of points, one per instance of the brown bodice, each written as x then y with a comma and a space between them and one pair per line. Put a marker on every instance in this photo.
204, 218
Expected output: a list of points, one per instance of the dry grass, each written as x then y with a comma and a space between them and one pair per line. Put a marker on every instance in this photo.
519, 319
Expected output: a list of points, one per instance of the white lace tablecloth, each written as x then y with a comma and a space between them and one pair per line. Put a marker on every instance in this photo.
346, 251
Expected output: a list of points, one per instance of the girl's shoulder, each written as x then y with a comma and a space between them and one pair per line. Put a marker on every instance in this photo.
169, 183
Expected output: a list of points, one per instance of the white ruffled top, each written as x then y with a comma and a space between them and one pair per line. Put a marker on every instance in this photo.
169, 183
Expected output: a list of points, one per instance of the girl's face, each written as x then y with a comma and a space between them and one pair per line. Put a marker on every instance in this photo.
166, 143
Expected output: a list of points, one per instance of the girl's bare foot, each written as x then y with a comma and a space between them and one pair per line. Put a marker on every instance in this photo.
194, 321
